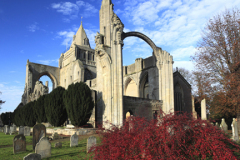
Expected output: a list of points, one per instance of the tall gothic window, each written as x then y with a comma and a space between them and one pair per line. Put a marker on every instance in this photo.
178, 98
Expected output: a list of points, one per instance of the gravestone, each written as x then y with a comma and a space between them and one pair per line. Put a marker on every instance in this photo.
7, 129
217, 125
74, 140
12, 130
91, 141
224, 126
32, 156
1, 129
27, 131
58, 145
39, 131
21, 130
19, 144
235, 130
55, 136
43, 147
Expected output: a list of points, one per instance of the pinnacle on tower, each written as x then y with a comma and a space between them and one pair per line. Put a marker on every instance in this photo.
81, 37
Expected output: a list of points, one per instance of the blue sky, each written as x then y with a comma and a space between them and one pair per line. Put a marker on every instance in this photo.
40, 31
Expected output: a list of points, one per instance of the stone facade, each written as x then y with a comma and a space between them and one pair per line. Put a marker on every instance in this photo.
102, 70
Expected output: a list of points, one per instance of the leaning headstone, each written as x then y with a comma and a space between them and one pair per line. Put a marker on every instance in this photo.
91, 141
58, 145
235, 130
27, 131
224, 126
7, 129
19, 144
74, 140
39, 131
43, 148
21, 130
32, 156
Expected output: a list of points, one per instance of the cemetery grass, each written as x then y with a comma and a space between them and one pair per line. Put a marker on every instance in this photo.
64, 153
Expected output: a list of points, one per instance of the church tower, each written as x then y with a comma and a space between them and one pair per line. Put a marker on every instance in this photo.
81, 38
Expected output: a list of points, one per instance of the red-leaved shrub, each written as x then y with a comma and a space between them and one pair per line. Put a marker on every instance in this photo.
172, 137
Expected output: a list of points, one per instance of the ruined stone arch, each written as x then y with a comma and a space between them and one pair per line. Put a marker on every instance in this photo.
131, 87
143, 37
53, 78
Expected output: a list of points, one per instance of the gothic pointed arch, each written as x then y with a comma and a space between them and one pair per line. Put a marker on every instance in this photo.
144, 85
130, 87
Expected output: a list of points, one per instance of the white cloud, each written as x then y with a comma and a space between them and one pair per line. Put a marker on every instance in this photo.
33, 27
72, 10
182, 53
184, 64
67, 37
47, 62
66, 8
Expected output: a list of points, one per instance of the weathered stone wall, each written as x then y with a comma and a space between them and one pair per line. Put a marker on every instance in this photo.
186, 87
140, 106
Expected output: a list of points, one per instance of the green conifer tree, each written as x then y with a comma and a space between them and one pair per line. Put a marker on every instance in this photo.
54, 107
79, 103
40, 110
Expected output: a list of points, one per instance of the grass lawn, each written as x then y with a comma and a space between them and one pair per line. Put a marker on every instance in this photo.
64, 153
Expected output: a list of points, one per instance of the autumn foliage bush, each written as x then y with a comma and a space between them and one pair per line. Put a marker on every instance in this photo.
173, 137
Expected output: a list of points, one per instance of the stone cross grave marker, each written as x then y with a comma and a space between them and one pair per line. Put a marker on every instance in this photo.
27, 131
7, 129
39, 131
32, 156
224, 126
43, 148
74, 140
19, 144
21, 130
91, 141
235, 130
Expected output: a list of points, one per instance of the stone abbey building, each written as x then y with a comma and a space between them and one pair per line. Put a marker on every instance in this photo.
142, 88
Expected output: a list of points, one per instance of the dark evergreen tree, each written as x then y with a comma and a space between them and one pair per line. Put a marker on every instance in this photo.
4, 118
79, 103
29, 114
18, 116
40, 110
54, 107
